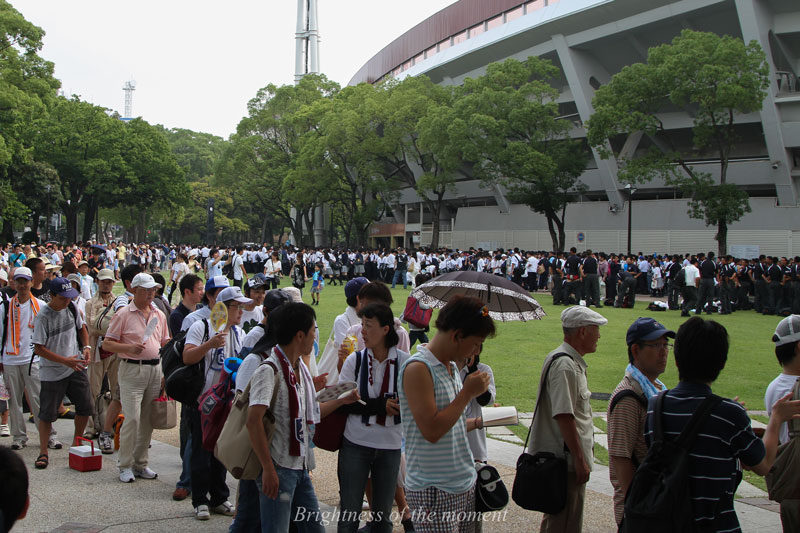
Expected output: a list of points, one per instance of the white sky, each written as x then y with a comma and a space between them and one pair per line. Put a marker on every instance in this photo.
197, 62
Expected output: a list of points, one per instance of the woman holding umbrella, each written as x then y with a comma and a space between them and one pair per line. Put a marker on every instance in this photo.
432, 404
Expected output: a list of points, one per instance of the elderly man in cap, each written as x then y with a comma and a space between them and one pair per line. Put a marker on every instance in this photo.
99, 312
63, 363
136, 334
648, 350
564, 414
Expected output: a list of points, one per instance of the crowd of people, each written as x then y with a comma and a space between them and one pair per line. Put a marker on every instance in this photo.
414, 432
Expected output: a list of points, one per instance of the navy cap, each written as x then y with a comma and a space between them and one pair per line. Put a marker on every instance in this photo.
62, 287
647, 329
276, 298
354, 286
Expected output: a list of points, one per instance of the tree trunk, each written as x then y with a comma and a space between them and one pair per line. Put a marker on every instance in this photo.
8, 230
551, 228
722, 238
35, 224
71, 214
88, 220
297, 228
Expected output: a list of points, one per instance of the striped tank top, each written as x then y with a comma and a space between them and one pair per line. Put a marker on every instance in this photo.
446, 464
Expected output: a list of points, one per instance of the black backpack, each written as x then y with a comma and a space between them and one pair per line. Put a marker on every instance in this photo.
182, 382
680, 278
659, 498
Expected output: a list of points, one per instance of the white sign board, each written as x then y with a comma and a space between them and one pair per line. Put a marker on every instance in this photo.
744, 251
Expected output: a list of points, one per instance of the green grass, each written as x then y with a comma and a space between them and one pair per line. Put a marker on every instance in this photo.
755, 480
517, 352
600, 424
600, 455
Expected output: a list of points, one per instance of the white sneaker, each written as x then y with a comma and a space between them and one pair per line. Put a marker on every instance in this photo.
4, 431
144, 473
225, 508
201, 512
126, 476
54, 444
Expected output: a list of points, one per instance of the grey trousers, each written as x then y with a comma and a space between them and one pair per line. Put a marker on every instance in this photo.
17, 380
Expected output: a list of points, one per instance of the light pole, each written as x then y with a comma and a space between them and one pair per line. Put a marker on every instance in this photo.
47, 222
630, 190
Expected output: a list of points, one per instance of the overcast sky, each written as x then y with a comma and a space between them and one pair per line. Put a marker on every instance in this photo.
197, 63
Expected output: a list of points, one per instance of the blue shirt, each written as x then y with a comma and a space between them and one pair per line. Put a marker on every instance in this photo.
725, 438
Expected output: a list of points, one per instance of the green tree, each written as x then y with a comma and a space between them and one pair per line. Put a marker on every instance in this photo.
82, 142
715, 78
196, 152
337, 150
508, 119
268, 142
414, 141
27, 87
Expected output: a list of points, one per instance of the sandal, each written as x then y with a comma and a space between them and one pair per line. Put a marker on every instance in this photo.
67, 413
42, 462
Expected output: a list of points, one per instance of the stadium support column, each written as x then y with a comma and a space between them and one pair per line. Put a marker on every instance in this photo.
578, 69
755, 23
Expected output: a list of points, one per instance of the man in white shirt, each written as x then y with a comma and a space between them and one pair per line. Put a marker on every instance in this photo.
689, 291
239, 274
16, 328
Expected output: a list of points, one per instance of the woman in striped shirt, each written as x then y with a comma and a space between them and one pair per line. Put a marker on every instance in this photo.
440, 478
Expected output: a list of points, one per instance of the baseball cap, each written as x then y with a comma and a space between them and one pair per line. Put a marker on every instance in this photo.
233, 293
276, 298
294, 294
23, 272
217, 282
62, 287
788, 330
353, 286
75, 278
254, 282
3, 275
144, 280
81, 263
105, 274
647, 329
579, 316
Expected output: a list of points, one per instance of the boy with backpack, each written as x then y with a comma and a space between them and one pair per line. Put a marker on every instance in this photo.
648, 350
688, 482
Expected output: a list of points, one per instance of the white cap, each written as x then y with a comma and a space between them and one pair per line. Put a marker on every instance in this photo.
3, 275
294, 293
144, 280
23, 272
233, 293
579, 316
788, 330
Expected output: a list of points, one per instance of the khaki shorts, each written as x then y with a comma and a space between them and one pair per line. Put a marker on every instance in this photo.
110, 366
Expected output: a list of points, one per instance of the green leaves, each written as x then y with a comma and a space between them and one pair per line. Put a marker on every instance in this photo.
714, 78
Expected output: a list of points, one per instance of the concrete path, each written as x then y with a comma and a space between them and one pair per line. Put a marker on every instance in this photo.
66, 500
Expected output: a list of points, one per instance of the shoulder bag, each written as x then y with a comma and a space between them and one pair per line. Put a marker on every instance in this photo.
233, 448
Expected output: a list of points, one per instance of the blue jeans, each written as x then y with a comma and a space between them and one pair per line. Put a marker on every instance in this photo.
400, 274
356, 463
296, 503
248, 512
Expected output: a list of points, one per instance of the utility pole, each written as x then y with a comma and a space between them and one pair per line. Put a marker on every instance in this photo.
129, 87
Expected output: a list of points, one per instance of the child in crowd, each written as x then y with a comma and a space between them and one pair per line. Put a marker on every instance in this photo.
318, 282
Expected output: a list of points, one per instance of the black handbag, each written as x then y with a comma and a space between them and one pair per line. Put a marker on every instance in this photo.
490, 491
541, 480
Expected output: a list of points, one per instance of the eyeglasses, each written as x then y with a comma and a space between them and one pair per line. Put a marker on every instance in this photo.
658, 345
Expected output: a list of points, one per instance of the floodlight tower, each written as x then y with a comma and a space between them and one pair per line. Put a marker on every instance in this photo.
306, 59
129, 87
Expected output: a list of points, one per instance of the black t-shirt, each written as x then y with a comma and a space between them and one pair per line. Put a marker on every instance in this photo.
572, 265
95, 264
590, 265
176, 318
775, 273
43, 293
674, 268
402, 261
707, 269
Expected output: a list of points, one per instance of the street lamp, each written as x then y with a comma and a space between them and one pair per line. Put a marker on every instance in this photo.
47, 222
630, 190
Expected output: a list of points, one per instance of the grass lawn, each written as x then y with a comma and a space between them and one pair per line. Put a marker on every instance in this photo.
517, 352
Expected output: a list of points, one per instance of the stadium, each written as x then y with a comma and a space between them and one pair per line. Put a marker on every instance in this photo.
590, 41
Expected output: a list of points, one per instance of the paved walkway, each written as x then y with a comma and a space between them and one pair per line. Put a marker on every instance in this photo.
66, 500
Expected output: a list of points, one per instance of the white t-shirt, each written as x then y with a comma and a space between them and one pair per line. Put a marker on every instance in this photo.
691, 275
179, 270
238, 266
780, 387
386, 437
25, 334
215, 357
251, 318
214, 267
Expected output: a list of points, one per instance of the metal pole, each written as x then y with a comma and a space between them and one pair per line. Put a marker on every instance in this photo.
630, 216
47, 223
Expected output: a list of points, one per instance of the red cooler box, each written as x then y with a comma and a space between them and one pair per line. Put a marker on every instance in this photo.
85, 458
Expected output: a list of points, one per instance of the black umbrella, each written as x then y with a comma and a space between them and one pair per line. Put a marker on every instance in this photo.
506, 300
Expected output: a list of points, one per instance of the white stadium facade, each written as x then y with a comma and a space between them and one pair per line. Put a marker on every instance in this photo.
590, 41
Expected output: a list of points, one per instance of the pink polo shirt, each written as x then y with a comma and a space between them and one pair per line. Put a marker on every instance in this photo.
128, 327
